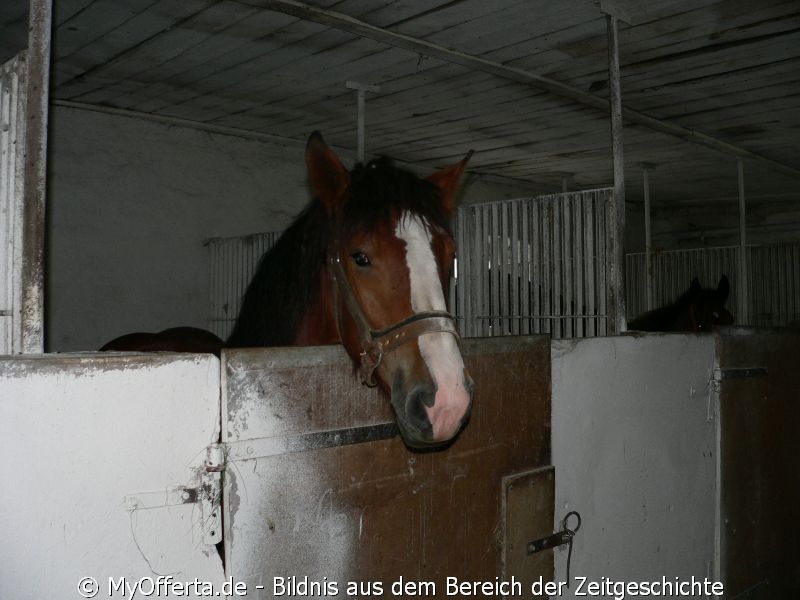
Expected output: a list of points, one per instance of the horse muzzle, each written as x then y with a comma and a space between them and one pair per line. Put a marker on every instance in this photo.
429, 415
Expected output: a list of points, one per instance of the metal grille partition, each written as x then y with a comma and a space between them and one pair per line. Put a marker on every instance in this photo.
534, 265
233, 262
773, 287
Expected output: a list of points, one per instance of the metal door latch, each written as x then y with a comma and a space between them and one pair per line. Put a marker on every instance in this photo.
207, 493
560, 538
210, 495
721, 375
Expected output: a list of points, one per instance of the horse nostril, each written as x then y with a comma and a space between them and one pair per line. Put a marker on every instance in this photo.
469, 385
420, 397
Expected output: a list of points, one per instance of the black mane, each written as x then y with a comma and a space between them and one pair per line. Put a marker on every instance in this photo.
286, 284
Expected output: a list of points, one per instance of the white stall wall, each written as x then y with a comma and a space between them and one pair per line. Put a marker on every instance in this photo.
130, 205
634, 452
79, 435
131, 202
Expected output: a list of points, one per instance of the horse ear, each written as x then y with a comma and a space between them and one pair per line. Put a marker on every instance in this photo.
327, 174
448, 180
723, 289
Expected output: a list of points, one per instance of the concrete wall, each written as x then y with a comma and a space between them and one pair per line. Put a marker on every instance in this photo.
634, 452
131, 202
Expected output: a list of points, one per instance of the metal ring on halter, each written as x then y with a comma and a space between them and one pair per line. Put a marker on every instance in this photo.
368, 367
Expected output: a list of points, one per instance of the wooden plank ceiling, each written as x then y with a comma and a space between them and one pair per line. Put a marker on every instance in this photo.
730, 69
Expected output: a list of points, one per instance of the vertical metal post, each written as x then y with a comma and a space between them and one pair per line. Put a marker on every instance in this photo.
648, 246
743, 317
38, 80
616, 308
361, 108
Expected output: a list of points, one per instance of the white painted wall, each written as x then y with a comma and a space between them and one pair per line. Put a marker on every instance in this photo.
633, 448
79, 434
131, 202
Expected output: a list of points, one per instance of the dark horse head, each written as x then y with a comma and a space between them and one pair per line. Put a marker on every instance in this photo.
698, 309
368, 264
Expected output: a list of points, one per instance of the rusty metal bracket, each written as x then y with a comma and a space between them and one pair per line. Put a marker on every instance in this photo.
210, 494
560, 538
721, 375
557, 539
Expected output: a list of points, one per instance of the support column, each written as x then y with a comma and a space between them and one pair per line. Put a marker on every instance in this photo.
38, 84
648, 245
361, 90
743, 304
616, 308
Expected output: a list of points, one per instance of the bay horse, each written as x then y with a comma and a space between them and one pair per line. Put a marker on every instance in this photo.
698, 309
367, 264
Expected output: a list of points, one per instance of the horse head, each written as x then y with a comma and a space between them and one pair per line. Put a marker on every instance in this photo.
389, 260
707, 306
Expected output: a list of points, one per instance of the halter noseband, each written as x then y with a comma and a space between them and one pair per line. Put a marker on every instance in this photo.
376, 343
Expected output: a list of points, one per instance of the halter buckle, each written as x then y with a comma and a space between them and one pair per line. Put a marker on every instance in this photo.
369, 363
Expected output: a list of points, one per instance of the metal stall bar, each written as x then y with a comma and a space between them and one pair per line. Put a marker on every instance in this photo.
592, 264
535, 281
35, 175
516, 261
569, 243
361, 110
648, 244
742, 243
616, 300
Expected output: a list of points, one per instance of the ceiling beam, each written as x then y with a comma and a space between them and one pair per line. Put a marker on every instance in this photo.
360, 28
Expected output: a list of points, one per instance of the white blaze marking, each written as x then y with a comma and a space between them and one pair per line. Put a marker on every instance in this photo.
439, 350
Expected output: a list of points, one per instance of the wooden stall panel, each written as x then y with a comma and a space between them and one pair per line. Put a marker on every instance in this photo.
302, 502
527, 516
760, 462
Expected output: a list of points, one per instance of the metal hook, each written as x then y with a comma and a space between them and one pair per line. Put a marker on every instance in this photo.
566, 519
565, 536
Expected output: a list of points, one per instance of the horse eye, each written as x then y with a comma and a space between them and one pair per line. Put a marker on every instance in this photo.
361, 259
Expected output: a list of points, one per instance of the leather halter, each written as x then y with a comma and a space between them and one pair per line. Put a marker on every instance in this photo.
377, 343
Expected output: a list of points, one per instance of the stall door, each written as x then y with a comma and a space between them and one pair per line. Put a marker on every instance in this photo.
759, 462
320, 491
104, 473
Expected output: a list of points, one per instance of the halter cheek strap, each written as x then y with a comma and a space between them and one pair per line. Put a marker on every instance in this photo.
377, 343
